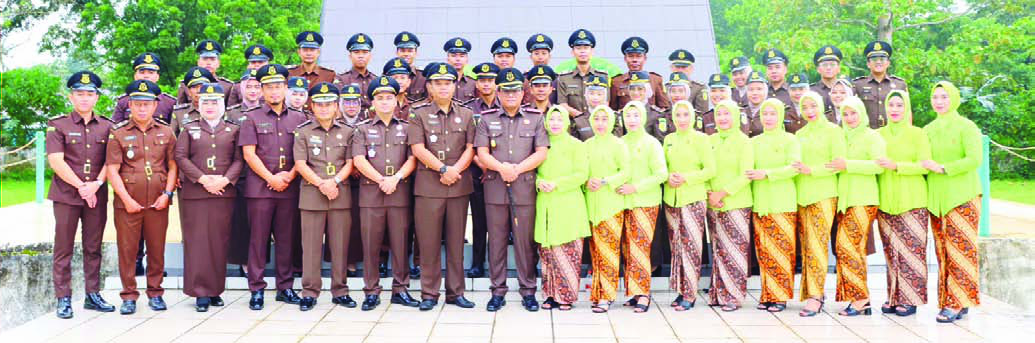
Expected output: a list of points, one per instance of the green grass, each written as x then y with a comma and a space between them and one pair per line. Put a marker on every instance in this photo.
13, 192
1022, 191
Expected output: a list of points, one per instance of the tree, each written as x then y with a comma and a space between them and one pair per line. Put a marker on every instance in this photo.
19, 15
110, 34
28, 96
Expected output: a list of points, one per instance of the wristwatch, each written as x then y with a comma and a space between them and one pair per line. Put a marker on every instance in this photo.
337, 179
168, 193
442, 169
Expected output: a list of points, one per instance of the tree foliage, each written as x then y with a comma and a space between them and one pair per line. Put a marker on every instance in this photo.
987, 47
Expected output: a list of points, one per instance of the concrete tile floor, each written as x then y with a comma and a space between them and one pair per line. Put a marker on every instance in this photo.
278, 322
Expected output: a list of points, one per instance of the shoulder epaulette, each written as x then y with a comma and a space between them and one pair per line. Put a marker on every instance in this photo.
56, 117
656, 108
106, 119
307, 122
233, 107
420, 105
161, 121
220, 78
859, 78
192, 120
228, 121
120, 124
291, 66
123, 96
895, 77
165, 95
653, 73
568, 72
178, 107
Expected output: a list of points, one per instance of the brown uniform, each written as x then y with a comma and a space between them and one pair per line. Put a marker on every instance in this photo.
240, 232
750, 120
362, 79
385, 147
791, 120
465, 89
84, 146
317, 75
183, 114
270, 211
738, 95
828, 105
620, 92
164, 111
510, 208
441, 208
326, 152
873, 92
571, 90
233, 95
659, 123
698, 96
143, 157
205, 150
418, 86
479, 227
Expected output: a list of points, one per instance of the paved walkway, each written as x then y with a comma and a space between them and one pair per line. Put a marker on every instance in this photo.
278, 322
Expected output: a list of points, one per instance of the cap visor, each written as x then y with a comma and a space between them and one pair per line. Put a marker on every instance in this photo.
682, 63
209, 54
355, 47
579, 42
457, 51
143, 97
775, 60
541, 80
504, 51
258, 58
322, 99
442, 77
82, 87
313, 45
740, 68
407, 45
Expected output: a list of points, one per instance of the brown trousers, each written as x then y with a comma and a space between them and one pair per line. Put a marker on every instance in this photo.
151, 225
206, 238
240, 232
501, 225
435, 216
395, 221
66, 221
336, 226
276, 216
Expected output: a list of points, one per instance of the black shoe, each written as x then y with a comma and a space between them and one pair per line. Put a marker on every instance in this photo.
476, 271
240, 271
947, 316
370, 302
296, 274
94, 302
128, 307
461, 302
428, 304
216, 301
383, 270
202, 303
344, 300
306, 303
64, 307
404, 298
415, 272
289, 296
530, 303
156, 304
257, 300
495, 303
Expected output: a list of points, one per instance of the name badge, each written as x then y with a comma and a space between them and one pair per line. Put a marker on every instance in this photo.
75, 134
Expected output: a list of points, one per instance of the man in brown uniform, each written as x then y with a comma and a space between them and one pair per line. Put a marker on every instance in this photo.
309, 43
776, 70
571, 86
539, 87
382, 156
406, 44
76, 145
208, 57
210, 163
267, 144
182, 114
503, 52
323, 160
441, 134
740, 69
146, 66
359, 46
258, 56
539, 47
873, 88
400, 71
485, 102
635, 51
718, 90
828, 64
240, 234
757, 92
142, 173
512, 143
457, 51
682, 61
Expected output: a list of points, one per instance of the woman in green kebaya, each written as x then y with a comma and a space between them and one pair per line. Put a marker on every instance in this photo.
691, 163
608, 169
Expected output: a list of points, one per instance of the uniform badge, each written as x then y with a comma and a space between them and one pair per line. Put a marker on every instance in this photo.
130, 154
316, 150
663, 124
195, 135
371, 152
433, 138
457, 120
492, 143
338, 136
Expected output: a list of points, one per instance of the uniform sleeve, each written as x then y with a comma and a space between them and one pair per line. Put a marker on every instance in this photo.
792, 154
869, 167
923, 149
120, 110
481, 137
660, 99
237, 163
562, 92
299, 149
359, 142
55, 140
182, 156
580, 169
415, 132
542, 139
471, 130
613, 95
181, 94
972, 152
700, 101
247, 134
704, 151
114, 151
170, 148
348, 142
658, 168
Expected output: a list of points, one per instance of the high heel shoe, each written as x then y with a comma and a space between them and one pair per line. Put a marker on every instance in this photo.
808, 313
948, 316
852, 312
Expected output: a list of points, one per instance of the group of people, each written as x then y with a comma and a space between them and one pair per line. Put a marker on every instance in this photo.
761, 172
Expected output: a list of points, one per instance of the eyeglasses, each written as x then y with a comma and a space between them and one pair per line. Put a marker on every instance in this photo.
878, 59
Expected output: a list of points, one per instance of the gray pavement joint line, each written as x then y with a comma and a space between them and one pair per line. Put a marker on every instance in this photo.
440, 309
216, 311
259, 321
663, 316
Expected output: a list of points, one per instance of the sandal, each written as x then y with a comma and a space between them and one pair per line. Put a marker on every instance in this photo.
730, 308
852, 312
776, 307
685, 305
810, 313
763, 306
947, 316
887, 308
631, 302
565, 307
677, 301
596, 308
549, 304
905, 310
641, 308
